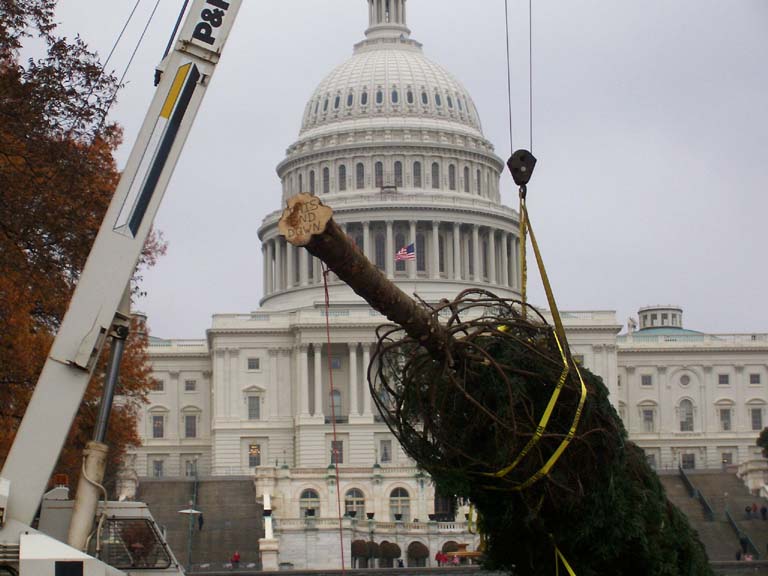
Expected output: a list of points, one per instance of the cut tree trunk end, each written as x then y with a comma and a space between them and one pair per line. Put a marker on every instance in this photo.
308, 223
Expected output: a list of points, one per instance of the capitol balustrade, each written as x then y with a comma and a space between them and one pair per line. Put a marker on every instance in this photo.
706, 340
368, 526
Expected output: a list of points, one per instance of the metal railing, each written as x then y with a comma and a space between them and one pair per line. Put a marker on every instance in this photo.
743, 537
693, 492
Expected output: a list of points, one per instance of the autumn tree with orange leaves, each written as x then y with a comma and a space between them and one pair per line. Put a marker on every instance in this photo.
57, 176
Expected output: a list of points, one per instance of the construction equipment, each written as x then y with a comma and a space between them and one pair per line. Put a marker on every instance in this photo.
106, 538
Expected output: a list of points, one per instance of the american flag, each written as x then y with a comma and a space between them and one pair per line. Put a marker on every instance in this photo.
406, 253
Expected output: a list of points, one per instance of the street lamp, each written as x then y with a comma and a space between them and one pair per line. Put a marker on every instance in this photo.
192, 513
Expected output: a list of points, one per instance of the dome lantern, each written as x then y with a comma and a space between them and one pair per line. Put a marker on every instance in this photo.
387, 19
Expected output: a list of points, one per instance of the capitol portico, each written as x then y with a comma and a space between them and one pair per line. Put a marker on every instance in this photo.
394, 144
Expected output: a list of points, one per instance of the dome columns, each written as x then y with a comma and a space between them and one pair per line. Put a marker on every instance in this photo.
446, 250
387, 19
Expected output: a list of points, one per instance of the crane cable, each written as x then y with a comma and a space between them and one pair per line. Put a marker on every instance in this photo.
530, 74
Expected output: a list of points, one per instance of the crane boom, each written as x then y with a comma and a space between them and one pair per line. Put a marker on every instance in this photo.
52, 409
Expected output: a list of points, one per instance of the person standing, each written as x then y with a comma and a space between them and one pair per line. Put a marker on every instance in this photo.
236, 559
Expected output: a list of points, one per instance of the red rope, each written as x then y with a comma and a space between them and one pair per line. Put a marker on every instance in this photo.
333, 414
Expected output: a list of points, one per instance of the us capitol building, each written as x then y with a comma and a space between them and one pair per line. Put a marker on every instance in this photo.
394, 144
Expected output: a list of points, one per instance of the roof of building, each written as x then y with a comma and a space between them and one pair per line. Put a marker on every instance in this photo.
668, 331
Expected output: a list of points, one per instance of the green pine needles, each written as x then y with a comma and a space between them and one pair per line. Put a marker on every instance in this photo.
467, 415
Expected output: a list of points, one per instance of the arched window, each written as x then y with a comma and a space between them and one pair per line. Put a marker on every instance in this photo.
354, 503
342, 178
452, 177
399, 243
364, 98
466, 179
379, 97
395, 96
326, 180
409, 96
450, 102
311, 181
398, 174
337, 102
360, 176
309, 500
438, 100
301, 183
435, 175
379, 172
350, 99
381, 249
686, 415
325, 105
421, 262
479, 184
400, 505
424, 98
458, 101
317, 106
417, 182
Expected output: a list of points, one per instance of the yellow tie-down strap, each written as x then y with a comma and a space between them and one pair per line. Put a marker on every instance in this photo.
560, 558
562, 344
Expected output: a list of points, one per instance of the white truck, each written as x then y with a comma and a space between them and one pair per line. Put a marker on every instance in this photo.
92, 536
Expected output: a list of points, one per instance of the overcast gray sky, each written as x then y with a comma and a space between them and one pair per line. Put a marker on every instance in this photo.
650, 125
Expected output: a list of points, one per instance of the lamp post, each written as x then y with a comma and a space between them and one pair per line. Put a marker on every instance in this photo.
192, 513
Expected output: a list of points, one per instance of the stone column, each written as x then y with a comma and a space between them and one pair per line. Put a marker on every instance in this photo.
492, 256
435, 249
303, 267
366, 391
505, 258
264, 268
304, 380
457, 251
354, 409
270, 287
290, 270
412, 263
366, 240
318, 357
389, 257
278, 264
476, 252
317, 270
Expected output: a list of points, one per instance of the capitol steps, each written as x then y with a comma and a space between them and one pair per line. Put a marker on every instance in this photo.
232, 518
717, 535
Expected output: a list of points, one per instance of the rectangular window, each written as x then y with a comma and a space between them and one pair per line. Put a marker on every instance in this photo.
723, 379
385, 451
648, 423
754, 379
157, 468
725, 419
646, 380
335, 363
688, 461
727, 458
190, 385
190, 468
757, 418
190, 426
254, 455
337, 452
158, 385
158, 426
254, 363
254, 408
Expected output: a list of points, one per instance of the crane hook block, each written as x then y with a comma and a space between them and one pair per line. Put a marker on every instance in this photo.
521, 164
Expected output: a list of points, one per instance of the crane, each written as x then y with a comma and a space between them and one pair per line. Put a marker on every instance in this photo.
121, 534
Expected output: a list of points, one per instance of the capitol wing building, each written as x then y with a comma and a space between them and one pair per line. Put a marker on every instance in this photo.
394, 144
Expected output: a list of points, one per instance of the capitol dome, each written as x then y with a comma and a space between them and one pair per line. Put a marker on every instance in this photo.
394, 144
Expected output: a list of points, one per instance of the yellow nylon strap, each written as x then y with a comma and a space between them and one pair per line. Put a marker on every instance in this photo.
469, 519
562, 346
560, 558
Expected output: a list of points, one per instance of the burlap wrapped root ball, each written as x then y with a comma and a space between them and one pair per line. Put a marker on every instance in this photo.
466, 417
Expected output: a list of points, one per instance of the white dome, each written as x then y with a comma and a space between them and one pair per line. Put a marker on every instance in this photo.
390, 82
